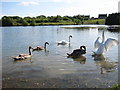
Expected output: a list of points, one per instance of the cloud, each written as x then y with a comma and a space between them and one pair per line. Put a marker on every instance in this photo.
28, 3
57, 0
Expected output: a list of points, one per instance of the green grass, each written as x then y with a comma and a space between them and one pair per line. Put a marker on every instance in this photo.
115, 87
95, 21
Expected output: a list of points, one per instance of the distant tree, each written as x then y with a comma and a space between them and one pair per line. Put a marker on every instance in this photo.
24, 22
113, 19
66, 18
76, 21
32, 22
7, 21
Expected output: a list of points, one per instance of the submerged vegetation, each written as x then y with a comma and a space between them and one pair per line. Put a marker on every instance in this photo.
50, 20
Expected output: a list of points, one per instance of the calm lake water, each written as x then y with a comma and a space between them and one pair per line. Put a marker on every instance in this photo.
52, 69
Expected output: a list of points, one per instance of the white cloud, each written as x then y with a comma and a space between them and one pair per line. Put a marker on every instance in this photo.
28, 3
57, 0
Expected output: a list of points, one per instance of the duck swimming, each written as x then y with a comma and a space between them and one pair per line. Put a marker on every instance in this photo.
78, 52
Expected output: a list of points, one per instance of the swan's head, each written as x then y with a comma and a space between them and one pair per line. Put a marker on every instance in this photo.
83, 47
30, 47
70, 36
99, 37
46, 43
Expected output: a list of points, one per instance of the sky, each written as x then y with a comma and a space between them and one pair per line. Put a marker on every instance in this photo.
35, 8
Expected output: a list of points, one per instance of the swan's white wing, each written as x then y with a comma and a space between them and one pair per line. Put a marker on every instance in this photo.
63, 42
97, 43
109, 43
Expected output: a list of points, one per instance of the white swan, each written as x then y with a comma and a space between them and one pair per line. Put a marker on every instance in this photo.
101, 47
63, 42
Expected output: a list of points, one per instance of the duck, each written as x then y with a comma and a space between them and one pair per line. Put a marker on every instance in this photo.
78, 52
104, 45
23, 56
40, 47
63, 42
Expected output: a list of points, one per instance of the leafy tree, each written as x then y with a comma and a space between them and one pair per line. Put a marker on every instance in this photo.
32, 22
113, 19
76, 21
7, 21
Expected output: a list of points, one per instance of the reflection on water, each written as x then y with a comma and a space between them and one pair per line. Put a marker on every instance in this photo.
80, 59
24, 60
104, 64
52, 68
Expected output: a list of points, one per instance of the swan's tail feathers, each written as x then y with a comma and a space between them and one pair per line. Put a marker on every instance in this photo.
68, 54
13, 57
94, 52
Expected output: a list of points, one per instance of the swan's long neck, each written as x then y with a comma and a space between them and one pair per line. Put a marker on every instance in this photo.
103, 37
45, 45
69, 38
30, 51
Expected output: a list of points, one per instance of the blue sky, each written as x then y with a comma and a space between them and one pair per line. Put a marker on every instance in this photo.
58, 7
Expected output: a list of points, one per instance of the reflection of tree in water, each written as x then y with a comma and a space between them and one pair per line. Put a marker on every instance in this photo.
104, 64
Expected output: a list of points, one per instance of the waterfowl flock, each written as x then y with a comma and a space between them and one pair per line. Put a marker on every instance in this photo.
77, 53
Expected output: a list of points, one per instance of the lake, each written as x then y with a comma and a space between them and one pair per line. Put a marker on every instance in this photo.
52, 68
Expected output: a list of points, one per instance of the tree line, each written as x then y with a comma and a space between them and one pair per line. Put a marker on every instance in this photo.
113, 19
41, 20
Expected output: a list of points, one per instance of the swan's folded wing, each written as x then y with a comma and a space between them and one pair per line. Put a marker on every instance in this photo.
97, 43
110, 42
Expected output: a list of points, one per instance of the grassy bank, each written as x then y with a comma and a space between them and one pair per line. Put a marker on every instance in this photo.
95, 21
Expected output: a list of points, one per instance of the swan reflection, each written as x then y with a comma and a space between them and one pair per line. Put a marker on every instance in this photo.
80, 59
104, 64
30, 60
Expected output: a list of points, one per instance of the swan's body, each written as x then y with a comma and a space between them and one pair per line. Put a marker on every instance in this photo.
77, 52
23, 56
102, 46
18, 58
40, 47
63, 42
